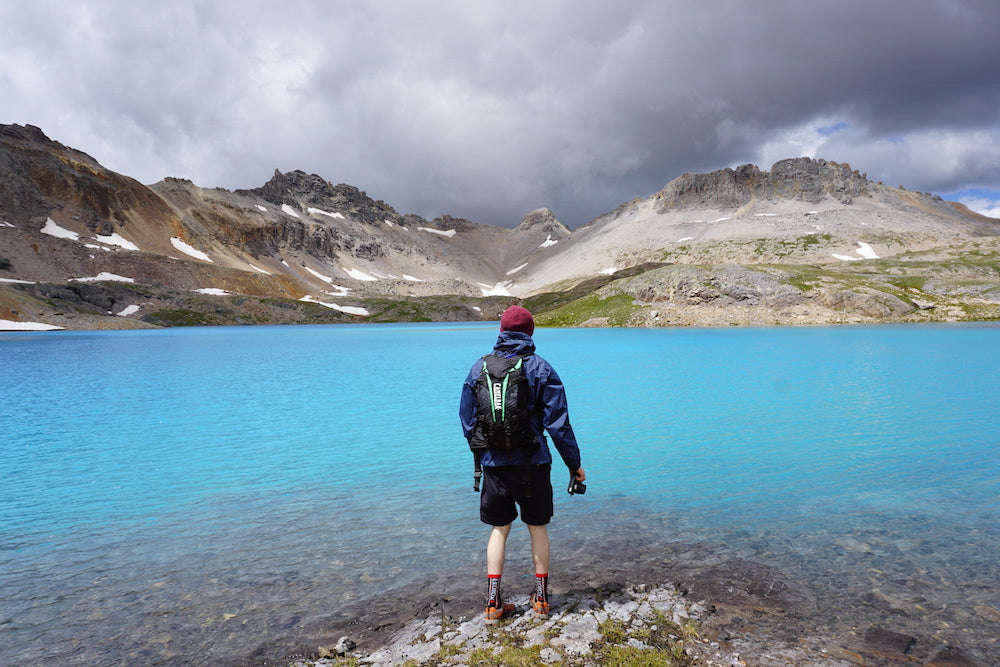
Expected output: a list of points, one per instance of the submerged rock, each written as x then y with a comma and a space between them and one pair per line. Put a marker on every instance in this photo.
888, 644
951, 656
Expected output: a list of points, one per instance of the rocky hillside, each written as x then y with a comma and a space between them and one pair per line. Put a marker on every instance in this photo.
809, 241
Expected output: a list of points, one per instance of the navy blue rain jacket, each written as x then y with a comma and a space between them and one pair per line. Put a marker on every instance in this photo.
549, 410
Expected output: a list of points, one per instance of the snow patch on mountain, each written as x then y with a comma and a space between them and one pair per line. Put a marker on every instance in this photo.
449, 233
326, 279
188, 250
117, 239
865, 250
104, 276
52, 229
319, 211
500, 289
359, 275
350, 310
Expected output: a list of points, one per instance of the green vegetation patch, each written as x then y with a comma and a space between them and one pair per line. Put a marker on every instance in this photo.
181, 317
981, 312
785, 247
631, 656
908, 282
656, 644
446, 308
551, 301
802, 277
345, 662
508, 656
618, 310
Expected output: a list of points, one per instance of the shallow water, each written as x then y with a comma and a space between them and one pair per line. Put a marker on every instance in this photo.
186, 494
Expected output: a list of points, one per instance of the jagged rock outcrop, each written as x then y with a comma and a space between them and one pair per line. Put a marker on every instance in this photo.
444, 223
802, 179
811, 180
544, 220
313, 190
725, 283
867, 302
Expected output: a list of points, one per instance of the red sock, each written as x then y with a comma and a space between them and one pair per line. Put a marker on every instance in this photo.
493, 594
542, 587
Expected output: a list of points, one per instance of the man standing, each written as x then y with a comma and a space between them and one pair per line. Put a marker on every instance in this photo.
517, 474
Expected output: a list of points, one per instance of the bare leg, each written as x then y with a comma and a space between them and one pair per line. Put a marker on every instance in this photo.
539, 548
496, 548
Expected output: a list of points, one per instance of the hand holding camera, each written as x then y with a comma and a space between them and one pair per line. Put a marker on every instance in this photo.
576, 485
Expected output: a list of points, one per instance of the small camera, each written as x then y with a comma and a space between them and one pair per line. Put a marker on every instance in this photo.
576, 487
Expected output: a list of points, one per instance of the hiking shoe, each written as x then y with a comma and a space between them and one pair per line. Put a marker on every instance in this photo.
539, 607
494, 614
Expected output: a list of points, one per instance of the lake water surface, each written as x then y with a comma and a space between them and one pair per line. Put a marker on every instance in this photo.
182, 495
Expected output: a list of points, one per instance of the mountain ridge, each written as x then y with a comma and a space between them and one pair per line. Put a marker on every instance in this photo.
299, 248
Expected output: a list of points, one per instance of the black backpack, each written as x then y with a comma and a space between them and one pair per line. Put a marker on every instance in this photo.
503, 397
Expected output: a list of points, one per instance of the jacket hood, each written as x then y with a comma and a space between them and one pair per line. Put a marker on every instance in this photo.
514, 342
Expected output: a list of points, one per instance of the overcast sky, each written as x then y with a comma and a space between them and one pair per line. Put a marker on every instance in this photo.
488, 110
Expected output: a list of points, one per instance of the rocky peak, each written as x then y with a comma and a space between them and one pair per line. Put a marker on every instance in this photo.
811, 180
39, 176
293, 186
802, 178
31, 140
313, 190
24, 133
544, 220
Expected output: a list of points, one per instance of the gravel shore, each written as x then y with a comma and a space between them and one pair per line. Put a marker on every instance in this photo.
731, 613
634, 625
638, 622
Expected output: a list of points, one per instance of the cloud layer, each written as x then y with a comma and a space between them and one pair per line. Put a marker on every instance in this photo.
489, 110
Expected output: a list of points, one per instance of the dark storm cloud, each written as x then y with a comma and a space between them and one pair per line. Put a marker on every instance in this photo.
489, 110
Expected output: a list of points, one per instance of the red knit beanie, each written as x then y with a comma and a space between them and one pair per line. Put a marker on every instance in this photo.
517, 318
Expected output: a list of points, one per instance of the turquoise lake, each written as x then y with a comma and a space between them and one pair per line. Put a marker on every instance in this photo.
180, 496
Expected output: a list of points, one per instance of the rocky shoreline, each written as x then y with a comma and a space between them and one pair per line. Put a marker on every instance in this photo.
638, 623
709, 612
630, 625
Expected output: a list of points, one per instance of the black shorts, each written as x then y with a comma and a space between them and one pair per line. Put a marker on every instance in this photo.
504, 487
